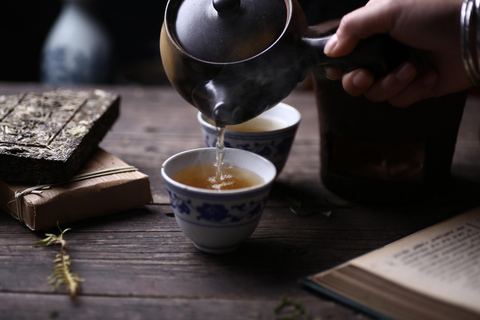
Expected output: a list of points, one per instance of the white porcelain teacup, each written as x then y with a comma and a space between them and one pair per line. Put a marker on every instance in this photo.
218, 221
270, 135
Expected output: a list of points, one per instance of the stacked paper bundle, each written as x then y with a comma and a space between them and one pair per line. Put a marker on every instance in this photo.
51, 168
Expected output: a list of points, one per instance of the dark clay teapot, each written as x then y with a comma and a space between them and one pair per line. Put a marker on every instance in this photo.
234, 59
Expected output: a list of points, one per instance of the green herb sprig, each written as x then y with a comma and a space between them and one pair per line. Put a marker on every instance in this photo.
61, 274
288, 309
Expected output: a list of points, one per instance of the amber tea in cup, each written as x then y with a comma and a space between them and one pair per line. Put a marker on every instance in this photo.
270, 135
205, 176
258, 124
218, 221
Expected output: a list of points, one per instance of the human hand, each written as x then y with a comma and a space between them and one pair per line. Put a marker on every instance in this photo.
430, 27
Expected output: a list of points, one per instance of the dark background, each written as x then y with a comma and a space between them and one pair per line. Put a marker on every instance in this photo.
133, 25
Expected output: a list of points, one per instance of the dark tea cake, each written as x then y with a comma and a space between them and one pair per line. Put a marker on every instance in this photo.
47, 137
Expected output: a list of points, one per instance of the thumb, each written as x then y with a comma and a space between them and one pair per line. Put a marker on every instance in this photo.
336, 47
357, 25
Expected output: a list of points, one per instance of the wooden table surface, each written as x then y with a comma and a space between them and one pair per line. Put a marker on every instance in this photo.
138, 265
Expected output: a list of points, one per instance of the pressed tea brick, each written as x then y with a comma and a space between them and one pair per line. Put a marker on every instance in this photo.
47, 137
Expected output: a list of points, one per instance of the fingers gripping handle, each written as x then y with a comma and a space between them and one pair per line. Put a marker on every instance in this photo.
380, 54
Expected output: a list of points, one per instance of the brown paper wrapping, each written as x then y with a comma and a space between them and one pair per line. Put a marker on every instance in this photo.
73, 201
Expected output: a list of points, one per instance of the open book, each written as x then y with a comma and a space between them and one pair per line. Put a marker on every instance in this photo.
431, 274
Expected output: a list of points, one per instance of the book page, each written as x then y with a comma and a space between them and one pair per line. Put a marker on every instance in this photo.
442, 261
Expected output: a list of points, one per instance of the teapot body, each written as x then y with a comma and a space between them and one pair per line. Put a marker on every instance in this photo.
234, 92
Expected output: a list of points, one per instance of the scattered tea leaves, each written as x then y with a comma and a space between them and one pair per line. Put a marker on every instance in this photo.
302, 212
54, 314
301, 206
289, 309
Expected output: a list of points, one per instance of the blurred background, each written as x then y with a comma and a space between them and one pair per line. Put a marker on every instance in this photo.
133, 27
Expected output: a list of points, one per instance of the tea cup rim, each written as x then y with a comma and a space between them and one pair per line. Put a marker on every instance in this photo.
266, 180
203, 120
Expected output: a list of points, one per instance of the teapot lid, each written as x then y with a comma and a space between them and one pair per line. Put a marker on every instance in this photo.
223, 31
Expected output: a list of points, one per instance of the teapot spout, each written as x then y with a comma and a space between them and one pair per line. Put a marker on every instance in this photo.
227, 102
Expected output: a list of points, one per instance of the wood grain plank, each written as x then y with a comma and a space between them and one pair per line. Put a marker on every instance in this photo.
91, 308
138, 264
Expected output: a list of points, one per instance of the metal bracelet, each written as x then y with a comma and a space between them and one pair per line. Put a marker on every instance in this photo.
474, 43
476, 37
469, 25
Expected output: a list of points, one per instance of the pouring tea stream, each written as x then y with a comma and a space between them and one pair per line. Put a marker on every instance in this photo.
234, 59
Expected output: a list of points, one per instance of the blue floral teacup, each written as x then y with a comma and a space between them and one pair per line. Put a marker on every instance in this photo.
218, 221
270, 135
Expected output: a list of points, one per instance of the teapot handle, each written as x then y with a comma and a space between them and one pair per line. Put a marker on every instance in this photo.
379, 53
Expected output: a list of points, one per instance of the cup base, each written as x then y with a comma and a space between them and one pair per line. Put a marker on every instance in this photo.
216, 250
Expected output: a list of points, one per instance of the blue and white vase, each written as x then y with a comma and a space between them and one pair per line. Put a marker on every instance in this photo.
77, 49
